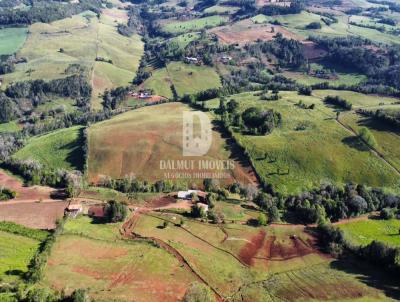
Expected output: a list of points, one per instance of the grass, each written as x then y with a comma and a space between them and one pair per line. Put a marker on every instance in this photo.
83, 226
9, 127
112, 268
296, 23
388, 139
59, 149
183, 40
186, 78
177, 27
365, 231
345, 76
324, 152
17, 229
219, 9
12, 39
157, 133
68, 105
16, 252
358, 100
83, 38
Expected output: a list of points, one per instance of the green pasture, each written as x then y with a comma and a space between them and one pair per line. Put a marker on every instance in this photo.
177, 27
12, 39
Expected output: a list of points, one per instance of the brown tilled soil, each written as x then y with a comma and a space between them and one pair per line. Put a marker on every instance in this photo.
34, 193
295, 248
33, 214
159, 202
245, 32
251, 248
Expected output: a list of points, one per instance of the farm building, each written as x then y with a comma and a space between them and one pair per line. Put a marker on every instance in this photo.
97, 212
191, 60
73, 210
187, 195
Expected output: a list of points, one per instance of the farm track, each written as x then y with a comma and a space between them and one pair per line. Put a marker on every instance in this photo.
128, 232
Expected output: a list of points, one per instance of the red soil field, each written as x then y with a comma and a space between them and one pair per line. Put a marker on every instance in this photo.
33, 214
246, 31
24, 193
251, 248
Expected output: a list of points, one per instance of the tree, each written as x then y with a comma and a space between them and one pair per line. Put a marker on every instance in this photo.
80, 295
198, 292
116, 211
273, 215
262, 219
233, 105
387, 213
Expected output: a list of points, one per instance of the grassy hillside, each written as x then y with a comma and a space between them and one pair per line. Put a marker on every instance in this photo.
186, 78
177, 27
16, 253
136, 141
12, 40
82, 38
365, 231
59, 149
323, 152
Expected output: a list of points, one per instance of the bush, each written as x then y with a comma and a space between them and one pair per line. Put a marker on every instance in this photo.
7, 194
387, 213
368, 137
198, 292
314, 25
262, 219
116, 211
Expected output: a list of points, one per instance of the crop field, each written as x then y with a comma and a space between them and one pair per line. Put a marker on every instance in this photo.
177, 27
16, 253
83, 38
136, 142
113, 268
59, 149
364, 232
33, 214
12, 40
186, 78
387, 138
246, 31
295, 160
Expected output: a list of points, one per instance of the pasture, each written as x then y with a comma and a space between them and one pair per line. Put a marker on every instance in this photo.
178, 27
136, 141
387, 137
363, 232
59, 149
310, 147
296, 23
186, 78
12, 39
